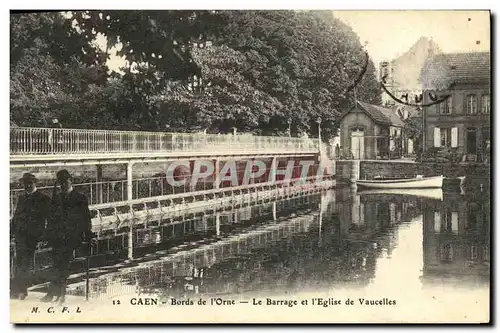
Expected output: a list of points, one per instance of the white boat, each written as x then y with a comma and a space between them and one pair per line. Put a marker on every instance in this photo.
417, 182
428, 193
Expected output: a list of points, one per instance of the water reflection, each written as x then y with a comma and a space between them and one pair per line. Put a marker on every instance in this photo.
456, 239
316, 243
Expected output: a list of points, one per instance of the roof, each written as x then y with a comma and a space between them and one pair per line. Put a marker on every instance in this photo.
380, 114
443, 70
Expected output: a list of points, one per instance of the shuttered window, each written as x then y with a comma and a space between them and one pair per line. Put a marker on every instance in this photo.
454, 137
446, 137
485, 104
437, 222
437, 137
454, 222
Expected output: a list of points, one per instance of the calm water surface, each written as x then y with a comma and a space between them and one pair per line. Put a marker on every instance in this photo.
386, 245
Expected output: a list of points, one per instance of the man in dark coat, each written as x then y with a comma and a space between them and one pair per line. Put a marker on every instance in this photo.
28, 224
69, 228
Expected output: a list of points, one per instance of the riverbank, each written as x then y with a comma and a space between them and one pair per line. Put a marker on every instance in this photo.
477, 175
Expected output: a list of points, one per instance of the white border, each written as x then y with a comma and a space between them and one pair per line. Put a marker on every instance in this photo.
198, 4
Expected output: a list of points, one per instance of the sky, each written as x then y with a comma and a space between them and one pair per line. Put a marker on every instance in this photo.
391, 33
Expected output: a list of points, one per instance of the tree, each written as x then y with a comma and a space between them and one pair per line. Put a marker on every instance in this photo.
413, 130
228, 99
65, 66
306, 60
369, 90
264, 68
160, 40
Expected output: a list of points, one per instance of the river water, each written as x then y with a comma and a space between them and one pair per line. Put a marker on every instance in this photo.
426, 250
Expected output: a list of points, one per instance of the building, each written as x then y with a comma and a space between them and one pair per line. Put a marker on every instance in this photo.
369, 132
461, 125
402, 73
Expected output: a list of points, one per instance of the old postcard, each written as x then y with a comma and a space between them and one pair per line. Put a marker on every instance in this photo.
223, 166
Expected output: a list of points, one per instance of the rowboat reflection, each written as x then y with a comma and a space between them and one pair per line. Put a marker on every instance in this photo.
435, 194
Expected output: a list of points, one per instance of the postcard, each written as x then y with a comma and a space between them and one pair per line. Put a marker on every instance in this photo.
250, 166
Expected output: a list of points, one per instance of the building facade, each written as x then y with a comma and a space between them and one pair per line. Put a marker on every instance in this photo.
369, 132
460, 125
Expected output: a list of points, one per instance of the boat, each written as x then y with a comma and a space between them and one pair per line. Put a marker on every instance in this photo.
417, 182
428, 193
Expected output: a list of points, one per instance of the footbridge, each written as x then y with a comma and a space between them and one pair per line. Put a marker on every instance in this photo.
124, 173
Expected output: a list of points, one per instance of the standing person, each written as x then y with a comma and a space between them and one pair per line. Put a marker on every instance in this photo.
337, 151
488, 152
69, 227
28, 224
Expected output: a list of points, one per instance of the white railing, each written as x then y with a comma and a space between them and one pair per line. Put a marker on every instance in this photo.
56, 141
116, 190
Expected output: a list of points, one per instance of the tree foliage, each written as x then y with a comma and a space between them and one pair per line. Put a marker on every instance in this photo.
51, 67
264, 70
413, 127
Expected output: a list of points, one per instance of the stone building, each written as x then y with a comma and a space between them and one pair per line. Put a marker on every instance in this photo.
369, 132
461, 125
402, 73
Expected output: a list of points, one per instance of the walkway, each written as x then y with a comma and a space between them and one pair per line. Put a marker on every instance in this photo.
31, 145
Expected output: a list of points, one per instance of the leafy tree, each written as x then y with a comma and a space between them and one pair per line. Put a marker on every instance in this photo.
413, 130
306, 60
53, 33
158, 39
369, 88
264, 68
51, 68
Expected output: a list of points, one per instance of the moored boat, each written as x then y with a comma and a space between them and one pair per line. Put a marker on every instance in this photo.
417, 182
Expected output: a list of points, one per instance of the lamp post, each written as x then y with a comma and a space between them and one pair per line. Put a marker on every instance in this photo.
289, 128
318, 120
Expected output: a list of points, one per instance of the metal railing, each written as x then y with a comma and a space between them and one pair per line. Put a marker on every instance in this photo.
373, 148
56, 141
116, 190
116, 242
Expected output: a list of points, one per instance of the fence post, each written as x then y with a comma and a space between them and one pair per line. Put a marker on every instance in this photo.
130, 243
272, 171
355, 172
217, 224
134, 141
217, 176
99, 193
129, 180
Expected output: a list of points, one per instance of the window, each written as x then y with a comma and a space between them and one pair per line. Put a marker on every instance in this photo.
447, 252
471, 104
473, 253
446, 106
472, 217
485, 140
485, 104
384, 69
445, 137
